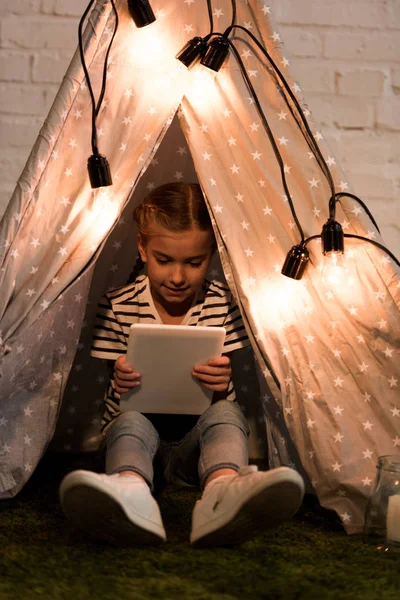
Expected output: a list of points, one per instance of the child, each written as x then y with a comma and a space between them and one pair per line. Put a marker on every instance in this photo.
176, 243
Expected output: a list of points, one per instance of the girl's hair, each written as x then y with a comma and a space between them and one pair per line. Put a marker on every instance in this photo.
175, 206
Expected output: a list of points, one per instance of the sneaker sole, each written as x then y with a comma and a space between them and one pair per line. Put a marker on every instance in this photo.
269, 508
102, 517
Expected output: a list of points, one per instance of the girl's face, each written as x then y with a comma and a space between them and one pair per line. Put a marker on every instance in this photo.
176, 263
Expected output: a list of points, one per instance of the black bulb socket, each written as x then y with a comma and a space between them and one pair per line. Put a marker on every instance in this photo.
141, 12
332, 238
217, 51
192, 51
99, 171
296, 262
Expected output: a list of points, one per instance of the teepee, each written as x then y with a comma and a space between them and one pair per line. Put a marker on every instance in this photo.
324, 394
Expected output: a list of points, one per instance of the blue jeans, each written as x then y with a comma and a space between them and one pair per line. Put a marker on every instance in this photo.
219, 440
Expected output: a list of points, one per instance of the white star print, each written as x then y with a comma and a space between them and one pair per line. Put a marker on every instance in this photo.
267, 210
282, 115
338, 437
382, 324
271, 238
68, 172
367, 425
256, 155
245, 225
232, 141
395, 412
367, 453
360, 339
266, 9
249, 252
310, 424
338, 382
206, 156
353, 311
392, 382
310, 338
338, 410
218, 208
45, 304
330, 161
337, 353
314, 182
188, 28
246, 54
28, 411
367, 397
366, 481
218, 12
254, 126
396, 441
337, 466
364, 367
283, 141
316, 211
235, 169
345, 517
127, 120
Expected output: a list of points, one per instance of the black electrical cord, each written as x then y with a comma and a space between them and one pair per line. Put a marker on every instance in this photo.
381, 246
210, 16
332, 206
270, 136
363, 239
310, 137
95, 109
233, 21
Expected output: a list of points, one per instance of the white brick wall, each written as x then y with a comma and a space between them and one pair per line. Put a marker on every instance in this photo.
345, 55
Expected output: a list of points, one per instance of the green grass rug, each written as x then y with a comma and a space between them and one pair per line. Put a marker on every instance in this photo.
42, 556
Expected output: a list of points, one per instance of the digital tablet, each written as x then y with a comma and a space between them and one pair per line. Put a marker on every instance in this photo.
165, 355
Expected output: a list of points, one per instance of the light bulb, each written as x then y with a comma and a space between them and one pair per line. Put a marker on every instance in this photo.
334, 269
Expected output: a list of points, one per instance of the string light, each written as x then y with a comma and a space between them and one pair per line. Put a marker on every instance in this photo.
192, 51
296, 262
141, 12
216, 53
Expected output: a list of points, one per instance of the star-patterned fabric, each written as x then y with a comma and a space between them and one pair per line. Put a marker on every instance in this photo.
324, 394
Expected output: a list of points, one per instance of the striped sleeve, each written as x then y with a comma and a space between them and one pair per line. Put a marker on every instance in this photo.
108, 340
236, 336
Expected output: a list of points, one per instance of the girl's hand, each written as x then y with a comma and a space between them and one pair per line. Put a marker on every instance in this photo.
215, 375
125, 377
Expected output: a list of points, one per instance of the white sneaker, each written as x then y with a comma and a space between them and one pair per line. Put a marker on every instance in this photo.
116, 508
236, 508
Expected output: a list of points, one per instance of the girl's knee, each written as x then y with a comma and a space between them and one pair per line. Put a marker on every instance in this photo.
130, 423
224, 412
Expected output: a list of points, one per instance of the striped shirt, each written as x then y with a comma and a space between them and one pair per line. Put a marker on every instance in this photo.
133, 303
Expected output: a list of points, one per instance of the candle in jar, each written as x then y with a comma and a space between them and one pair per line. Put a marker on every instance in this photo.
393, 519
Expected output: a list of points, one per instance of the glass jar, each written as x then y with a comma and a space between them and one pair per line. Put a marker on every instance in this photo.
382, 513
